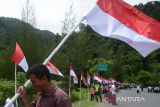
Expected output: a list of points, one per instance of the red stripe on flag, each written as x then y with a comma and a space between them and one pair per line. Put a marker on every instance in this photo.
18, 55
53, 68
83, 78
132, 18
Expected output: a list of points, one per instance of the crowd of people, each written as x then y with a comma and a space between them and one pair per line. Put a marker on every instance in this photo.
109, 90
153, 89
48, 94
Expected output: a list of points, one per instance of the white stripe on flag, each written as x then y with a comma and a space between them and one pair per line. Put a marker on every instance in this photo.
24, 64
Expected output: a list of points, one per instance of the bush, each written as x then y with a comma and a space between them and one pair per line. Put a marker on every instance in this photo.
74, 95
7, 90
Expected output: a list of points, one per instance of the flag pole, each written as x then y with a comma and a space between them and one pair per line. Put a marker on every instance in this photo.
80, 92
88, 92
46, 61
69, 87
15, 82
62, 42
88, 84
93, 80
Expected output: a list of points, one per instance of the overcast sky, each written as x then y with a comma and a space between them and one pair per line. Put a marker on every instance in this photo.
51, 13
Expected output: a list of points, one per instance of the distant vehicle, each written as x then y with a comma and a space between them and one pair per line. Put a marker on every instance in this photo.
156, 89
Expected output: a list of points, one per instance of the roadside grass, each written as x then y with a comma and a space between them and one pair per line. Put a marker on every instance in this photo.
83, 103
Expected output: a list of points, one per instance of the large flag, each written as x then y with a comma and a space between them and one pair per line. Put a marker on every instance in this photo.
88, 78
83, 78
19, 58
117, 19
72, 74
53, 69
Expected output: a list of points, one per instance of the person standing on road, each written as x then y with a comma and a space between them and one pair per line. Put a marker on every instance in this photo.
138, 89
110, 93
92, 93
141, 88
113, 94
149, 89
106, 90
98, 92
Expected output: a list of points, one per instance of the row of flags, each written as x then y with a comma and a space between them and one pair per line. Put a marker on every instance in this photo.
87, 82
19, 59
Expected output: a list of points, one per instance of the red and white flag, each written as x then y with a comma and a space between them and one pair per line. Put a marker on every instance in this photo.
72, 74
83, 78
96, 77
104, 80
113, 80
88, 78
117, 19
53, 69
19, 58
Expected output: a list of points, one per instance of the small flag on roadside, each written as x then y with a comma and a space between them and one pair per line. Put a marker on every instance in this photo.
53, 69
83, 78
96, 77
88, 78
72, 74
19, 58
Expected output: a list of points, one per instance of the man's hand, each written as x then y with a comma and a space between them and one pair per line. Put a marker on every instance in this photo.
22, 91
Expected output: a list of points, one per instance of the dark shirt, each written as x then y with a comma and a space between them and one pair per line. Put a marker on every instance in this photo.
56, 97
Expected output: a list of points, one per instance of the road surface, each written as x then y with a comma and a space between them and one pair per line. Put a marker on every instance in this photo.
129, 98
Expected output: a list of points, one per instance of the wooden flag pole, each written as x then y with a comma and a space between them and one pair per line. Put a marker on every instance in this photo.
80, 94
15, 82
69, 87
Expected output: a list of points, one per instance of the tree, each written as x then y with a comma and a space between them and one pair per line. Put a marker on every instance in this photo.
28, 13
143, 77
154, 81
69, 21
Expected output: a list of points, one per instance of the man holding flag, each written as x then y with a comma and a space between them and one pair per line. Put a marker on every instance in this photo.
48, 94
117, 19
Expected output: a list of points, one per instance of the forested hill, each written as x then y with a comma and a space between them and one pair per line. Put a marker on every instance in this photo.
32, 41
84, 50
11, 28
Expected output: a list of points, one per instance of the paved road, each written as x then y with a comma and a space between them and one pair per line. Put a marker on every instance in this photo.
129, 98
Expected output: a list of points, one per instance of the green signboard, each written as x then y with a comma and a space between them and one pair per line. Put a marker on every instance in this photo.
102, 67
